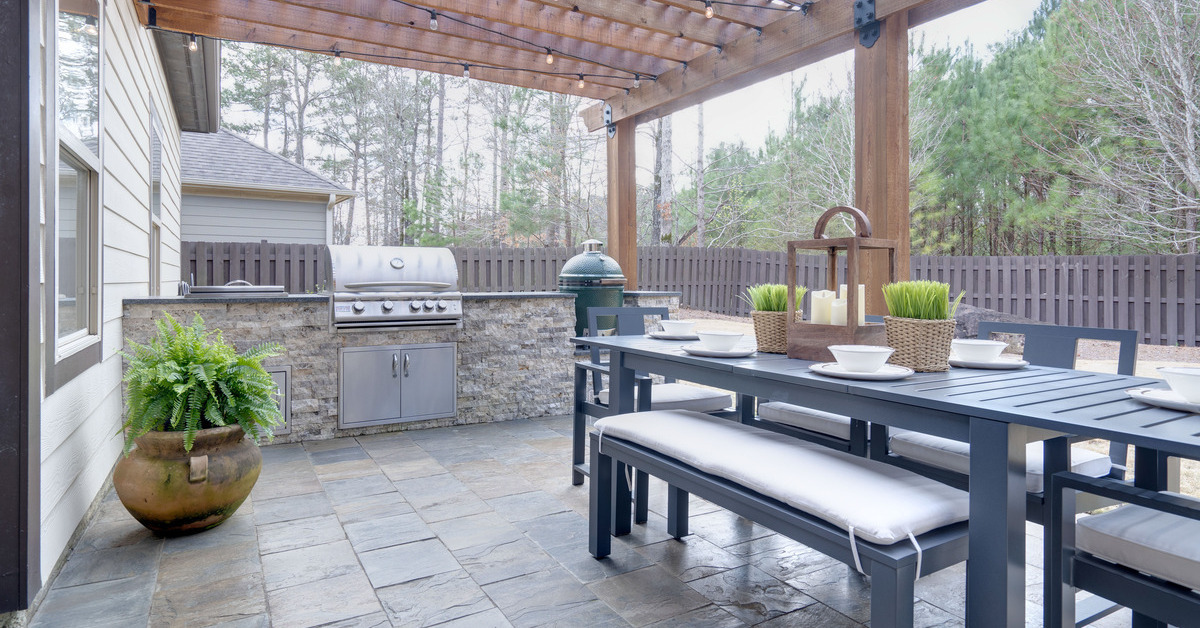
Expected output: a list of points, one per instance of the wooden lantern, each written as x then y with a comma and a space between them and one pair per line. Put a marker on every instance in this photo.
809, 341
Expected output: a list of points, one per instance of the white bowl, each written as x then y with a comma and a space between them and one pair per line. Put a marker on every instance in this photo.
1184, 380
719, 340
861, 358
677, 328
972, 350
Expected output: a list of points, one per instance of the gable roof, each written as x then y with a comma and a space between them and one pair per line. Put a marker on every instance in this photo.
225, 160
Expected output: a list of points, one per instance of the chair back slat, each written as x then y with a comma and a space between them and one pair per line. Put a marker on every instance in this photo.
631, 321
1055, 345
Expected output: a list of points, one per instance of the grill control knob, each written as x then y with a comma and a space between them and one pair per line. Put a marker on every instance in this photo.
387, 306
358, 307
430, 304
415, 306
441, 304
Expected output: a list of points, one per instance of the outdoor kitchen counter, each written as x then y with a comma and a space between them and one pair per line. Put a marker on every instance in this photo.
514, 352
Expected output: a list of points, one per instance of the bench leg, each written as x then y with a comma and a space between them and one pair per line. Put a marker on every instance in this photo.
1150, 471
677, 512
621, 498
578, 428
600, 504
892, 596
641, 496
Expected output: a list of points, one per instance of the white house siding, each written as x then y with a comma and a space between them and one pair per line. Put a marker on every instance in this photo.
80, 420
208, 218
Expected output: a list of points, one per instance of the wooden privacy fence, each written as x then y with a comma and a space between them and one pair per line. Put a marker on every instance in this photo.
1156, 294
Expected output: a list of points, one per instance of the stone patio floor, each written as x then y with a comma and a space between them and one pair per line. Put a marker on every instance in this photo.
461, 526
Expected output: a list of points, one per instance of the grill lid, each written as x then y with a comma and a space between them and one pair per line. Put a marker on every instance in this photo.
391, 269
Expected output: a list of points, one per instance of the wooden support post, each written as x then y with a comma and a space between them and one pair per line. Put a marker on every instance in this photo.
622, 201
881, 151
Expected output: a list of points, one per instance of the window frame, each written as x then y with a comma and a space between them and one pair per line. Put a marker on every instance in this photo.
155, 209
69, 356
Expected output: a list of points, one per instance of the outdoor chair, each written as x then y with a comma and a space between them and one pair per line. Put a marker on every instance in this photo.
668, 395
1045, 345
824, 428
1143, 555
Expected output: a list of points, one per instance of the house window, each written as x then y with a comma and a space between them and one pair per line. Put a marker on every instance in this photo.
73, 249
156, 172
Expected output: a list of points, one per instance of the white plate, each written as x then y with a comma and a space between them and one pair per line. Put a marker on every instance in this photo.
1000, 364
709, 353
1163, 397
888, 372
662, 335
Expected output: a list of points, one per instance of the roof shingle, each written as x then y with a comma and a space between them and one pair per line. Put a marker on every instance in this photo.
225, 159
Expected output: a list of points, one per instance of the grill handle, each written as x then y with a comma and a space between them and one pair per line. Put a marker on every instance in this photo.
394, 361
384, 284
406, 364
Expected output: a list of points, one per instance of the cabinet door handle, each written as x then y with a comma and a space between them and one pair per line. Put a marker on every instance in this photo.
406, 360
395, 361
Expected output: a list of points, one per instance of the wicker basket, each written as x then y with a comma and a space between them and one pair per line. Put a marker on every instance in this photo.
921, 345
770, 330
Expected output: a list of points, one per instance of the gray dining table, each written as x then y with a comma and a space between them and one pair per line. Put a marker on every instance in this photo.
997, 411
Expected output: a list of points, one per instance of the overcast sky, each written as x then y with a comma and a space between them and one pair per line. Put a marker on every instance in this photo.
750, 114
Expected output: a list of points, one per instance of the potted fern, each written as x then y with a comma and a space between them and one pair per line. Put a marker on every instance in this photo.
769, 301
921, 323
196, 410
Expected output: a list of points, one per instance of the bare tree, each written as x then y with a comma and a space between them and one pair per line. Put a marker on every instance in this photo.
1137, 75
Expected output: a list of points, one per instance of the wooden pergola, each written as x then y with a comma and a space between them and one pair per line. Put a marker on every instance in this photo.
642, 59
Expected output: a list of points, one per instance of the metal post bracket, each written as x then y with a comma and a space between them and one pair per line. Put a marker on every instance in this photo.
865, 23
608, 121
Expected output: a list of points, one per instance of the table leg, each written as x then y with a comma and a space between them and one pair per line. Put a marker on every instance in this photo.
620, 383
996, 567
578, 427
1058, 596
1150, 471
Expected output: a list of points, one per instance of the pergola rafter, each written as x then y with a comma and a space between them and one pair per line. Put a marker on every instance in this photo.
681, 57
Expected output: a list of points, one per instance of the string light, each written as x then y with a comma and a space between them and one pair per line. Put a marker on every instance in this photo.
466, 71
89, 26
433, 25
337, 57
549, 57
708, 9
193, 45
581, 83
637, 81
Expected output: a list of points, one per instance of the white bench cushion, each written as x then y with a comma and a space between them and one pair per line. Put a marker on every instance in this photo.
955, 456
882, 502
826, 423
676, 396
1153, 542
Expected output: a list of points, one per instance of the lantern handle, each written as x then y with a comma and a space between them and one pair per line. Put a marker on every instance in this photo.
861, 222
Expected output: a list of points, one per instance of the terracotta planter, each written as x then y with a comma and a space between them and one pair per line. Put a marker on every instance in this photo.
174, 492
921, 345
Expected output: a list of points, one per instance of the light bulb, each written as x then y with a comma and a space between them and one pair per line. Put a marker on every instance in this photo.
549, 57
581, 83
637, 81
466, 71
192, 44
337, 57
708, 9
433, 20
89, 27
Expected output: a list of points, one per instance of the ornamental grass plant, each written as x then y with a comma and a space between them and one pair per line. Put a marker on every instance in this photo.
922, 299
187, 379
771, 297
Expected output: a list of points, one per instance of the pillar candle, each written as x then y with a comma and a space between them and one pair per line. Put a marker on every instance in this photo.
862, 304
837, 312
842, 291
821, 301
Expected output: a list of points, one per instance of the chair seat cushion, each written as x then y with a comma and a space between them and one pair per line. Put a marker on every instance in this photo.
677, 396
818, 421
955, 455
1158, 543
882, 502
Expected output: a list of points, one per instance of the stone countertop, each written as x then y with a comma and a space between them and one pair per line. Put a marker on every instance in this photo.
317, 298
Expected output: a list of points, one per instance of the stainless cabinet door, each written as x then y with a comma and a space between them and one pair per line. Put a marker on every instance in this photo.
428, 381
370, 387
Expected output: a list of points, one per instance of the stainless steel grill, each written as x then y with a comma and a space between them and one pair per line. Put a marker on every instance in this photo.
393, 286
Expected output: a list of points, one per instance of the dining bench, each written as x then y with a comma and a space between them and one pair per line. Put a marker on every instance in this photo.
889, 523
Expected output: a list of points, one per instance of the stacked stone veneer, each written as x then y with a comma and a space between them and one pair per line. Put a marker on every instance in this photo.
514, 353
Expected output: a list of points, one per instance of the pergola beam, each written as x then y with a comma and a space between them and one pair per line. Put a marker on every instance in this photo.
786, 44
663, 18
